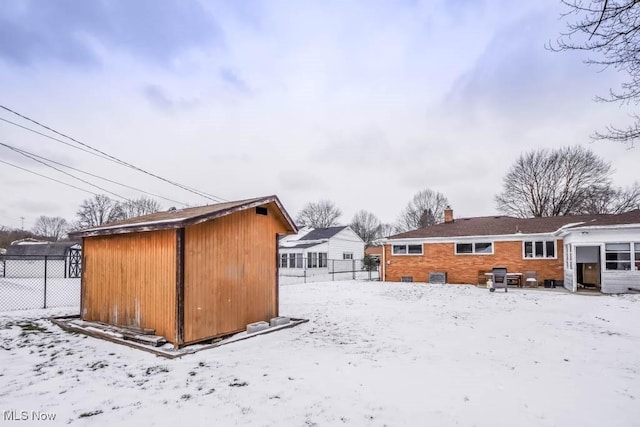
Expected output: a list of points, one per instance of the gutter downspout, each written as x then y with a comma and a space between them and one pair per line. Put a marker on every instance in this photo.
383, 268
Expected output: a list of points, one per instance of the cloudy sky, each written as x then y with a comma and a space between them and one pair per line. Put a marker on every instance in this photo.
362, 103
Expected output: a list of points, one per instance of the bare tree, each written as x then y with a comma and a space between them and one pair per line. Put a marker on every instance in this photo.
425, 208
613, 200
140, 206
98, 211
53, 228
609, 30
366, 225
319, 215
563, 181
387, 230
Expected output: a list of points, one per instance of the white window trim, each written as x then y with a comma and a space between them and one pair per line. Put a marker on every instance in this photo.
406, 245
473, 245
631, 261
544, 248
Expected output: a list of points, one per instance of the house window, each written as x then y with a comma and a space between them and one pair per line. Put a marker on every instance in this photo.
312, 260
406, 279
283, 260
539, 248
299, 261
347, 255
618, 256
322, 259
637, 256
406, 249
569, 252
292, 260
474, 248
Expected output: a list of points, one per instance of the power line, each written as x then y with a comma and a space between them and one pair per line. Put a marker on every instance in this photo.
115, 159
63, 172
55, 139
48, 177
21, 151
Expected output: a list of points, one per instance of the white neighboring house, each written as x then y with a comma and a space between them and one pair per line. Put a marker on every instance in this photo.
26, 258
322, 250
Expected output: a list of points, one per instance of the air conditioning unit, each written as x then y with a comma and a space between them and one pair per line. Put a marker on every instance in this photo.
438, 277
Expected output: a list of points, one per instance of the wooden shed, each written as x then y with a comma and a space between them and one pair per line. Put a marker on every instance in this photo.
191, 274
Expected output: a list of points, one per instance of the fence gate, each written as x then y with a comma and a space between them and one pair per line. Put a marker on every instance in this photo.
74, 263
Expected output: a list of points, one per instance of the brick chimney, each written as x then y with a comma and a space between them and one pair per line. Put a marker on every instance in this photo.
448, 215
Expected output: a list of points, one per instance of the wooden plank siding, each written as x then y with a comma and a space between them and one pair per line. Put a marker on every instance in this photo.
230, 273
461, 269
130, 280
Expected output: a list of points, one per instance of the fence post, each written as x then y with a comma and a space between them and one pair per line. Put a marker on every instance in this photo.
353, 268
305, 275
333, 270
45, 281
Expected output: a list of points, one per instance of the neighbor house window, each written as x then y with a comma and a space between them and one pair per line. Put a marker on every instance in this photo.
407, 249
322, 259
474, 248
637, 256
618, 256
299, 261
312, 260
347, 255
539, 248
292, 260
283, 260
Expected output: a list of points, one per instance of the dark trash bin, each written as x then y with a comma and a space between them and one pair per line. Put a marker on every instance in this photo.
547, 283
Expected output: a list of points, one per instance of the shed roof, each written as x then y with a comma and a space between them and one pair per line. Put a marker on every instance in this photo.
39, 249
505, 225
184, 217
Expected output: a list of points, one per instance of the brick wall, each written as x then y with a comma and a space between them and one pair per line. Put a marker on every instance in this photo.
465, 268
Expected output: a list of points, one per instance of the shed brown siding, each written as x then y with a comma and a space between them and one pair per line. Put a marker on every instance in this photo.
130, 280
465, 268
230, 273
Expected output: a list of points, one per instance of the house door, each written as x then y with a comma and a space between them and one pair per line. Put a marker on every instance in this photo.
587, 268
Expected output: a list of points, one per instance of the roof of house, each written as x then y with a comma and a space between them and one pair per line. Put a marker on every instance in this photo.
505, 225
322, 233
54, 250
302, 245
184, 217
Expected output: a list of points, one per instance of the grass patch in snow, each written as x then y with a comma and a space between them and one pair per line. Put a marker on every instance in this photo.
90, 414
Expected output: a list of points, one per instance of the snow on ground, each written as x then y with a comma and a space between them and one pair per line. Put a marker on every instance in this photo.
372, 354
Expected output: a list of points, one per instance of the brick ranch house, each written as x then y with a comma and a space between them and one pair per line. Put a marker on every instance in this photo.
599, 251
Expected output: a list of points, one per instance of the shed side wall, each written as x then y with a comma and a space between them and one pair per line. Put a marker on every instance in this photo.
230, 273
130, 280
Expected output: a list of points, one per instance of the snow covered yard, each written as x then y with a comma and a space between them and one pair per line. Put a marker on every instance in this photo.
372, 354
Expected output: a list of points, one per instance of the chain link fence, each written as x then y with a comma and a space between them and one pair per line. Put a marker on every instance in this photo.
335, 269
32, 281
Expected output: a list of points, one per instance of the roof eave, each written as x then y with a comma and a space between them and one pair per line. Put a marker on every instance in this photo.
180, 223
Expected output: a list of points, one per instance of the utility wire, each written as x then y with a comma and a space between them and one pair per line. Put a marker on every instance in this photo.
55, 139
115, 159
21, 151
48, 177
66, 173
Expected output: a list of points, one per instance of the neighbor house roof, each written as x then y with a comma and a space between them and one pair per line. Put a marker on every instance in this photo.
53, 250
184, 217
505, 225
302, 245
322, 233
